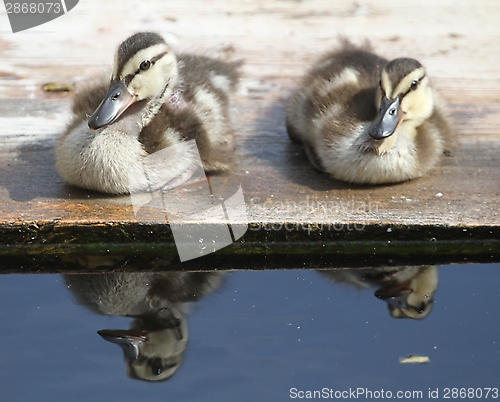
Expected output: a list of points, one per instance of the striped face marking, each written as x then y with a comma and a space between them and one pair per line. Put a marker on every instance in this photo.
141, 61
399, 78
401, 88
144, 69
133, 46
149, 71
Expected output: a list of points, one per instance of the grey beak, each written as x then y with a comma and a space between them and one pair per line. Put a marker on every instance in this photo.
387, 120
128, 340
115, 102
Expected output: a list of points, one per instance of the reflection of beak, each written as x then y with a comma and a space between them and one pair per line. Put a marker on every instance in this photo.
395, 295
115, 102
128, 340
399, 301
387, 121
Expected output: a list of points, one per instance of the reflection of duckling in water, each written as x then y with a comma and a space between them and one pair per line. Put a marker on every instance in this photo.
408, 291
156, 100
154, 345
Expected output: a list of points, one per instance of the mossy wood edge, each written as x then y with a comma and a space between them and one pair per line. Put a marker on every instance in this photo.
53, 247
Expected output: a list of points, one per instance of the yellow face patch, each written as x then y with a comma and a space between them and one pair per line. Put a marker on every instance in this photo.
405, 84
402, 86
133, 64
414, 92
386, 84
150, 81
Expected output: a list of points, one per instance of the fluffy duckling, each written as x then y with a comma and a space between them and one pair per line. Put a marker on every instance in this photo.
154, 345
156, 100
364, 119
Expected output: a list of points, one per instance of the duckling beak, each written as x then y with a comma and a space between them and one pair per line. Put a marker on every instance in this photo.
387, 120
115, 102
128, 340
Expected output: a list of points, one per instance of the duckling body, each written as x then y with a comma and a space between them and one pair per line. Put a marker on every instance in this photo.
364, 119
156, 100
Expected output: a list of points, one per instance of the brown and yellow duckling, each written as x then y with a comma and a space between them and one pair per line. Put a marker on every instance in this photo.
363, 119
156, 100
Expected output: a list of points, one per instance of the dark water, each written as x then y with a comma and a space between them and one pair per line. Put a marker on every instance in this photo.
256, 336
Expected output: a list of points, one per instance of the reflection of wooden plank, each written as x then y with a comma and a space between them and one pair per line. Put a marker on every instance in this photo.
449, 215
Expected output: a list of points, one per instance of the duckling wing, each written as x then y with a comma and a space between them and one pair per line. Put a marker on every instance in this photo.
200, 71
335, 96
207, 86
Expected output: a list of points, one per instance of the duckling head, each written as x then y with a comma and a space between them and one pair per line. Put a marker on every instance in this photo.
144, 68
413, 298
153, 348
404, 98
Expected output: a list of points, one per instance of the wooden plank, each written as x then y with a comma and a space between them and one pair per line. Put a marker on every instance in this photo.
295, 214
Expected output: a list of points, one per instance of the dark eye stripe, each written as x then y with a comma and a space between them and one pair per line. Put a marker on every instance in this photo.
152, 61
130, 77
409, 90
158, 57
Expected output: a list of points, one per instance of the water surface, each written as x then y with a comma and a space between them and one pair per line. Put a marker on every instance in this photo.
256, 336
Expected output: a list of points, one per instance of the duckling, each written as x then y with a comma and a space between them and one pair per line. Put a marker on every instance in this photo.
364, 119
154, 345
155, 101
407, 290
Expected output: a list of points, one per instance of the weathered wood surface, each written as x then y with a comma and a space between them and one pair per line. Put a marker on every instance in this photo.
452, 215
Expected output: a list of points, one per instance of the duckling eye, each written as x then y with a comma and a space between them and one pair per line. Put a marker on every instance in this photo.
414, 84
156, 366
145, 65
